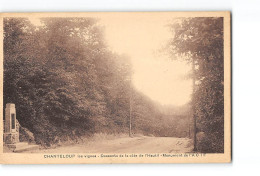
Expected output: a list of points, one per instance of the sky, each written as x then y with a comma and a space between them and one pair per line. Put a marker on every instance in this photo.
141, 36
155, 75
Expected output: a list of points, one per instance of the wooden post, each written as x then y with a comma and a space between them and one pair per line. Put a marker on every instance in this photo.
130, 111
189, 132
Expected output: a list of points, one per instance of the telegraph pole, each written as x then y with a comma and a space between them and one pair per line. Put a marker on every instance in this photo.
189, 131
193, 106
130, 110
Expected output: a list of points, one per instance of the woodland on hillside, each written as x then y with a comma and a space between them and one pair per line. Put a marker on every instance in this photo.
67, 84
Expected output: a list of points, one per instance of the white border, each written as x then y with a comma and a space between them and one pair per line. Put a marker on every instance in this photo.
246, 86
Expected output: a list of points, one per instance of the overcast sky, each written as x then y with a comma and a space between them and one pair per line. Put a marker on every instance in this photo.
140, 37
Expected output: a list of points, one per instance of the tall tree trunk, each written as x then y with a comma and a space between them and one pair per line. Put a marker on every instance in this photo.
193, 107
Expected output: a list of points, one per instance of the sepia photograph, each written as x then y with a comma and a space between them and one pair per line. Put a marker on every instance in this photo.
116, 87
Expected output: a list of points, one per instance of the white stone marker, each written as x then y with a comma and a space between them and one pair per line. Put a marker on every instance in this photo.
11, 134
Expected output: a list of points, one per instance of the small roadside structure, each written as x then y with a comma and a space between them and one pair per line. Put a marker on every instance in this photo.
11, 132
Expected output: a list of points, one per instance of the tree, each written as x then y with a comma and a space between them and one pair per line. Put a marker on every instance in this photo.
49, 73
199, 41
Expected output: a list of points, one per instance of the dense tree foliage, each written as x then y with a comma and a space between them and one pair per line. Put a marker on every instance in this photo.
66, 83
199, 41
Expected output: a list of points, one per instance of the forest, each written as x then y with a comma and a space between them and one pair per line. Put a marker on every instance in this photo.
200, 42
67, 84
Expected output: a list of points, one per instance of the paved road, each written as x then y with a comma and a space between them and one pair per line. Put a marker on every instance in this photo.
128, 145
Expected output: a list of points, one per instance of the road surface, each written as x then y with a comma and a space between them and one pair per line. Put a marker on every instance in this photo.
141, 144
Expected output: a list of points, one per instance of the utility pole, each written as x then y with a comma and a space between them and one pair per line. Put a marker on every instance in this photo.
189, 131
193, 106
130, 110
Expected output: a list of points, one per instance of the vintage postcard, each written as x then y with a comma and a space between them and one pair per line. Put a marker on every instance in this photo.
115, 87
